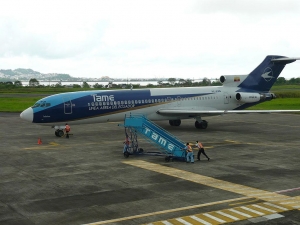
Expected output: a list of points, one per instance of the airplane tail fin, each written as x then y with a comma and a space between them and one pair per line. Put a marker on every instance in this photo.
264, 76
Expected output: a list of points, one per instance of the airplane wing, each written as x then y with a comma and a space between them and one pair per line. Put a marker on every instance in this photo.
212, 112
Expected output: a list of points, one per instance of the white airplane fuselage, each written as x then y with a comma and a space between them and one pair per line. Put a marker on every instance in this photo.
237, 93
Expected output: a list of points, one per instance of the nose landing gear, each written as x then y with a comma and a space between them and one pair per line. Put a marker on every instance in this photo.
59, 133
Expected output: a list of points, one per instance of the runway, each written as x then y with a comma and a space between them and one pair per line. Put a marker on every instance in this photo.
252, 177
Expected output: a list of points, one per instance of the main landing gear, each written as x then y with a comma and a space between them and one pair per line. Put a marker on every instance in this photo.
175, 123
201, 124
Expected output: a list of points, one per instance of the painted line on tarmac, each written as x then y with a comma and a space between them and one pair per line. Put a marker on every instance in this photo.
208, 181
270, 124
210, 145
292, 202
53, 145
288, 190
166, 211
251, 212
244, 202
45, 146
257, 143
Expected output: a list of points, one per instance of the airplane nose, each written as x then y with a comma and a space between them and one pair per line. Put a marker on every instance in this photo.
27, 114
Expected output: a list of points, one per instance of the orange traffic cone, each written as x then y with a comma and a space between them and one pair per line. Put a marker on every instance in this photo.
39, 141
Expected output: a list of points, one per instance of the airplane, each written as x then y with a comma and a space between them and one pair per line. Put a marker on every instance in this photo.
237, 93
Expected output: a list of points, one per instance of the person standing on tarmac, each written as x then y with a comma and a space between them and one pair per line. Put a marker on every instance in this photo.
201, 150
190, 155
67, 129
126, 145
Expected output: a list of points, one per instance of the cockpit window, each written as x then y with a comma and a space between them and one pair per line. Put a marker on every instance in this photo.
36, 105
42, 104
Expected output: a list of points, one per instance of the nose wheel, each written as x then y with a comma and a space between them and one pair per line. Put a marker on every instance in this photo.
59, 133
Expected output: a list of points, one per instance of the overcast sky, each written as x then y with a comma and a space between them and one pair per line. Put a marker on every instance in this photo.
148, 39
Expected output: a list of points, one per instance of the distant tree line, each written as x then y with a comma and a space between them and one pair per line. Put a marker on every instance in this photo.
292, 81
171, 82
189, 83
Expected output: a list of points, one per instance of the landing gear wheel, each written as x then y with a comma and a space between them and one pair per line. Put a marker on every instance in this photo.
167, 158
126, 154
141, 150
204, 124
175, 123
201, 125
59, 133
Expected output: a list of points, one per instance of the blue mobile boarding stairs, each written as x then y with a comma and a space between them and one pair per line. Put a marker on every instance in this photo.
168, 145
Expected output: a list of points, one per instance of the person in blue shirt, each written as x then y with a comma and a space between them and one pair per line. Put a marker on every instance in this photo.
190, 154
126, 145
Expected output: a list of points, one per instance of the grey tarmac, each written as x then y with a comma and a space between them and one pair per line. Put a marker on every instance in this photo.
85, 179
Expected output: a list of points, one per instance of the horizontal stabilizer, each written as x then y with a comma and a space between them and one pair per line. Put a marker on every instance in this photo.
285, 59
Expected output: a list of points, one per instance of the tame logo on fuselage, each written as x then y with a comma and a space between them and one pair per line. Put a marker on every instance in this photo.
103, 98
158, 139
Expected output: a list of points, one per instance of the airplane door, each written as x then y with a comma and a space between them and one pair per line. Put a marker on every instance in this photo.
67, 105
178, 101
226, 98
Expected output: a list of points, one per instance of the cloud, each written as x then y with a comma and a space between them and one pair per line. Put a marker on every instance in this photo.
146, 38
248, 7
